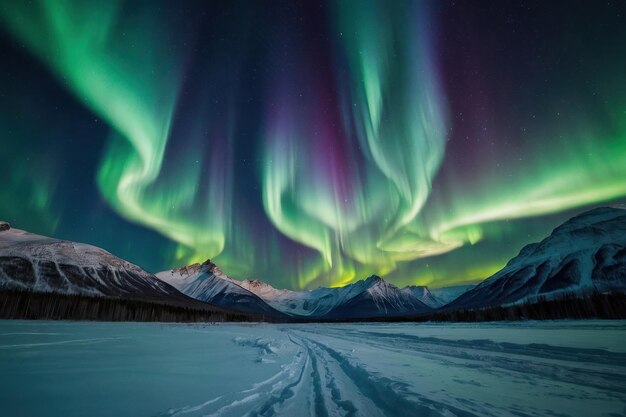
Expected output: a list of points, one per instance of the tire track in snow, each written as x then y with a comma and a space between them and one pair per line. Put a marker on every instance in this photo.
264, 398
535, 350
325, 381
583, 367
320, 364
313, 368
390, 397
248, 400
268, 408
318, 382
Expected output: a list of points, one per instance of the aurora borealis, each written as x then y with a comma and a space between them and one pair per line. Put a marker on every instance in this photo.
308, 143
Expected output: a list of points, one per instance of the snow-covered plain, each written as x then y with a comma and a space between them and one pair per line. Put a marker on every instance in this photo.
573, 368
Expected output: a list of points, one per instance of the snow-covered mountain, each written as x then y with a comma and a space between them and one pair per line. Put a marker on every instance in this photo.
375, 297
424, 294
33, 262
586, 253
372, 297
206, 282
445, 295
294, 303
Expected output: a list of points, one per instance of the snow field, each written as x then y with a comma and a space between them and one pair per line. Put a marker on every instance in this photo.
478, 369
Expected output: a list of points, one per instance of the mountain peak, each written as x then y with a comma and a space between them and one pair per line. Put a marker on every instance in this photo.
417, 288
374, 279
593, 218
208, 265
255, 283
195, 268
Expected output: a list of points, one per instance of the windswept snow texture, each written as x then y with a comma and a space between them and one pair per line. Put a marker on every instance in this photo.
490, 369
586, 253
33, 262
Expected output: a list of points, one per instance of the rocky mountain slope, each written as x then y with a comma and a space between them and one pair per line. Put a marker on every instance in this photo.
372, 297
585, 254
375, 297
38, 263
206, 282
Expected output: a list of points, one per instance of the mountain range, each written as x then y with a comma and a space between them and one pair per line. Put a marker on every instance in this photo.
42, 265
586, 254
372, 297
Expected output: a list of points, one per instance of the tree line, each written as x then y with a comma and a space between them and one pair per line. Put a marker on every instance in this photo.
23, 304
569, 306
20, 304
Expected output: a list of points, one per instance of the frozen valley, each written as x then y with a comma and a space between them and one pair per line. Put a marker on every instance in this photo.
559, 368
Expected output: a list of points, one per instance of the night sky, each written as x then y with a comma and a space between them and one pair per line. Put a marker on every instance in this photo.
307, 143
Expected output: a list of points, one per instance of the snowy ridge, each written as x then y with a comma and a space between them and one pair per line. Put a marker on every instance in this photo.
372, 297
206, 282
445, 295
424, 294
33, 262
296, 303
586, 253
375, 297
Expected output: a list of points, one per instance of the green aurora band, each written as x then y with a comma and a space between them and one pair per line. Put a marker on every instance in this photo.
361, 221
356, 186
93, 48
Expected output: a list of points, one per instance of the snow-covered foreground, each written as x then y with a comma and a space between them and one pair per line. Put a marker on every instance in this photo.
136, 369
